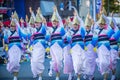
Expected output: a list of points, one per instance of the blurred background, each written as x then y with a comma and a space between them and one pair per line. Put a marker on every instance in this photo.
64, 7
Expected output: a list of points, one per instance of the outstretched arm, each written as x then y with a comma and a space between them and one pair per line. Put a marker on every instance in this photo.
60, 20
32, 13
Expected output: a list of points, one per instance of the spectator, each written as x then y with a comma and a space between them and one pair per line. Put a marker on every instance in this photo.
2, 54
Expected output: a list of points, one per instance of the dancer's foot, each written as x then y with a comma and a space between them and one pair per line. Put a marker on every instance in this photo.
15, 78
50, 73
113, 77
40, 78
57, 78
70, 77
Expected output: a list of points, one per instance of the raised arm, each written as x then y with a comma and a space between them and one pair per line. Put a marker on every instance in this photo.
32, 13
60, 20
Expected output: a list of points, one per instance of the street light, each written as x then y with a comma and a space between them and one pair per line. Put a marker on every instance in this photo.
88, 4
108, 8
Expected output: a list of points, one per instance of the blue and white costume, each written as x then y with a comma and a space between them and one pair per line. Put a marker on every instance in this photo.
90, 55
114, 46
56, 47
77, 47
13, 39
38, 52
25, 31
90, 43
55, 36
68, 63
103, 48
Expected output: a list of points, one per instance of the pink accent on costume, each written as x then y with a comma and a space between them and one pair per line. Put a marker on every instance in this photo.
103, 60
57, 56
14, 56
68, 63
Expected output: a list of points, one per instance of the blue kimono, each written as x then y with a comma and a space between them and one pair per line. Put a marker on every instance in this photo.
78, 37
114, 39
55, 35
103, 36
38, 35
12, 38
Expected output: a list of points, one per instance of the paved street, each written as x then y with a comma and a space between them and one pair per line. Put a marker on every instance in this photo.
26, 74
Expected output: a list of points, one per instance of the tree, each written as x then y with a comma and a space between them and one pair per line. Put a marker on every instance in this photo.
112, 5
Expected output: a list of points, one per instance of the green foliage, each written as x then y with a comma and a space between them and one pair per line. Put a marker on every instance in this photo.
112, 5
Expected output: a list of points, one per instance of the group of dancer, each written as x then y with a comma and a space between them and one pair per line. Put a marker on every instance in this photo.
76, 46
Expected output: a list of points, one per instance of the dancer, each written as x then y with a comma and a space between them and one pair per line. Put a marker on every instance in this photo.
104, 32
77, 46
38, 46
68, 63
12, 37
90, 43
114, 47
56, 44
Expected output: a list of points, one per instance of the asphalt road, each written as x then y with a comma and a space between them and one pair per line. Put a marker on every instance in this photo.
26, 74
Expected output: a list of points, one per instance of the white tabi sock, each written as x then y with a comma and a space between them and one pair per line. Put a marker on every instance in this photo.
50, 73
40, 78
70, 76
57, 78
78, 78
113, 77
91, 77
15, 78
85, 76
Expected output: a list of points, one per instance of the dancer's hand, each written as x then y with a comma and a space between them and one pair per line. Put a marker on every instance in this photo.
55, 8
95, 49
75, 13
85, 48
21, 20
26, 19
47, 49
30, 9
